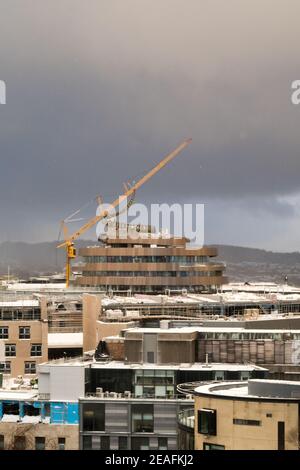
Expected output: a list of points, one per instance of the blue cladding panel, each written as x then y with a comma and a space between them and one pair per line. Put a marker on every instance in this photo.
60, 412
64, 413
73, 413
57, 413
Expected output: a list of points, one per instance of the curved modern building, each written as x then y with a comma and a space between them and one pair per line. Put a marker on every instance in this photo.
256, 415
146, 262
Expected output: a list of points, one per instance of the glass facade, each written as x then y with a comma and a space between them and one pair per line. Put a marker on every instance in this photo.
140, 443
154, 383
119, 380
281, 336
153, 273
17, 314
142, 418
146, 259
93, 417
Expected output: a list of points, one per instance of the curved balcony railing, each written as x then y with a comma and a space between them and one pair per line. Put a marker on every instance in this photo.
187, 418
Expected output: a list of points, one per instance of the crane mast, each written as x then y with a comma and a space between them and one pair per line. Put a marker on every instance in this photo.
69, 242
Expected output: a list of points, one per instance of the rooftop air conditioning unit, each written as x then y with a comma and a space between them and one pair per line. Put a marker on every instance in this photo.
99, 391
184, 291
127, 394
106, 394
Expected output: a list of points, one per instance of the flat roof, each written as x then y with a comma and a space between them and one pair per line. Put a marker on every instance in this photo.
20, 303
60, 340
18, 394
32, 287
239, 390
183, 366
211, 329
230, 293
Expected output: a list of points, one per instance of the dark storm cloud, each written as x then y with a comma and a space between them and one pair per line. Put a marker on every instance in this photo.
99, 91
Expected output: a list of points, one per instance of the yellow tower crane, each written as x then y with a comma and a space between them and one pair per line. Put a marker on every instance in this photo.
69, 240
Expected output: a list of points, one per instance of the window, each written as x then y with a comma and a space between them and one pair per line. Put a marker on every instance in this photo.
105, 442
207, 422
36, 350
207, 446
94, 417
140, 443
61, 443
10, 350
24, 332
4, 332
30, 368
247, 422
5, 367
39, 443
10, 408
219, 375
244, 375
30, 410
19, 443
123, 443
162, 443
87, 442
280, 435
150, 357
1, 442
142, 418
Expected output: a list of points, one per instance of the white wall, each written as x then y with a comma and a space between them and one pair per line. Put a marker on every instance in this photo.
66, 382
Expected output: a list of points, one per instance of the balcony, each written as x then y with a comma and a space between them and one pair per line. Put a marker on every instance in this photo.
186, 418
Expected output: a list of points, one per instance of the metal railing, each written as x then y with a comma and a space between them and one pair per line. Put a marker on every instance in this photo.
187, 418
115, 395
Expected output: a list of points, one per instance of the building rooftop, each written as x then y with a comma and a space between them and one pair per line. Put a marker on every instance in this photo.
149, 366
211, 329
262, 389
19, 303
57, 340
230, 293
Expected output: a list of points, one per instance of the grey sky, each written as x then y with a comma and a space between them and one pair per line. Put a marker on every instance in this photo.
99, 91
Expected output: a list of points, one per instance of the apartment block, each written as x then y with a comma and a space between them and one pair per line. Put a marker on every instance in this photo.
256, 415
24, 331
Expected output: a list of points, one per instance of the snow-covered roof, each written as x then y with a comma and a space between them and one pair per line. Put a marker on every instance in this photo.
20, 303
60, 340
17, 395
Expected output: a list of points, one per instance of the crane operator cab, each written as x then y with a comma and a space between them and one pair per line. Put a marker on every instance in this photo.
71, 251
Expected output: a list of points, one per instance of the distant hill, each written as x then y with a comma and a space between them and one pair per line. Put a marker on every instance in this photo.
250, 264
243, 264
238, 254
31, 259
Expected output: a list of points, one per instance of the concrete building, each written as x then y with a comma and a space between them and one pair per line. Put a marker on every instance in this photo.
35, 328
135, 406
147, 262
31, 421
258, 415
278, 349
128, 404
129, 423
24, 331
